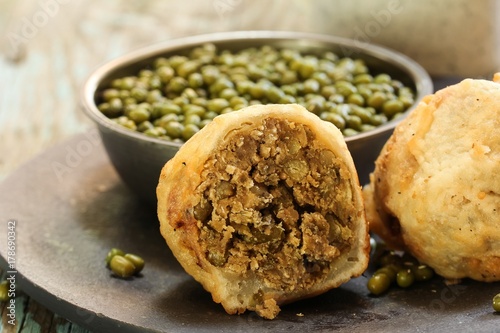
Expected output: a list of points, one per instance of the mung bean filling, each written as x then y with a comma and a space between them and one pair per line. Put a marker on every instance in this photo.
276, 205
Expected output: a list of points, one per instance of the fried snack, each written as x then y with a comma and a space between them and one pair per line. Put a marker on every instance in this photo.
263, 207
435, 190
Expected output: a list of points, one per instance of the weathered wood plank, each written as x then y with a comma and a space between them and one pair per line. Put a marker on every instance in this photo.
60, 325
37, 319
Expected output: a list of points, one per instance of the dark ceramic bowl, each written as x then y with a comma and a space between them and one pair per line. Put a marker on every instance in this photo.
139, 158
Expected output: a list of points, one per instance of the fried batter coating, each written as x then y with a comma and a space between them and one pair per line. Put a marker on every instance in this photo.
435, 190
263, 207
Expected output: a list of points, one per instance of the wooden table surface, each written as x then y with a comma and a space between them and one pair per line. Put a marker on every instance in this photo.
51, 46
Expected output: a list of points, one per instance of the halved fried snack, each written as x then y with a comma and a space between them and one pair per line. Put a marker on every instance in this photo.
435, 190
263, 207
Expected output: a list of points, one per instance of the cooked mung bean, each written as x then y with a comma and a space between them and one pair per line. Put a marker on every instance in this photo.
4, 291
208, 82
496, 303
124, 265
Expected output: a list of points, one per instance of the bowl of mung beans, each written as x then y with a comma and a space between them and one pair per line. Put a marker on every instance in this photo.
147, 103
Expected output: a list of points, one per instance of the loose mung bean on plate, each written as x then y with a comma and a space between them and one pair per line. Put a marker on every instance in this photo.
178, 95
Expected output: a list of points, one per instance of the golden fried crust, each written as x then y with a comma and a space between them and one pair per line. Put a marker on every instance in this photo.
263, 207
435, 189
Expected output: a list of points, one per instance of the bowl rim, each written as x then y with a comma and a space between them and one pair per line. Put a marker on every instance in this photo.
419, 76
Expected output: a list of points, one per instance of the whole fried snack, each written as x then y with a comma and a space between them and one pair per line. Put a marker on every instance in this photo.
263, 207
435, 190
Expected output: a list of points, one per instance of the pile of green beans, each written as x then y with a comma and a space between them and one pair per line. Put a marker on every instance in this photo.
124, 265
402, 270
178, 95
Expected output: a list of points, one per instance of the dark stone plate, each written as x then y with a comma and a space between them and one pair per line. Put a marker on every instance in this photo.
70, 208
